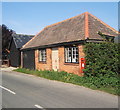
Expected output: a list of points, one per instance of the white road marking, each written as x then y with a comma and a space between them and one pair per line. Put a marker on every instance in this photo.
7, 90
38, 106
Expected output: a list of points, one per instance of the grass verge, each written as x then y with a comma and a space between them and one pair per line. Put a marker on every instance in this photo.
90, 82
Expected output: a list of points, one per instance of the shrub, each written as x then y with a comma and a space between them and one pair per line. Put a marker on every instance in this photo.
102, 64
102, 58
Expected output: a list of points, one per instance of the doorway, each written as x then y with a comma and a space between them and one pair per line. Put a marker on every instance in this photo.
55, 59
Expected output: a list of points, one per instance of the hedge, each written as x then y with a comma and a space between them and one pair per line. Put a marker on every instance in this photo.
102, 63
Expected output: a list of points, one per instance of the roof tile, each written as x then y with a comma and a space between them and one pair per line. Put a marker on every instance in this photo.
76, 28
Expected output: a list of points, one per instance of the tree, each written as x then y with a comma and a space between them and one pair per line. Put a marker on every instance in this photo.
6, 38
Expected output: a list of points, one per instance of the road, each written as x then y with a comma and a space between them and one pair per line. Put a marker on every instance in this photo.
26, 91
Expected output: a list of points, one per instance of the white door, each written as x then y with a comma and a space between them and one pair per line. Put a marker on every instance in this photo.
55, 59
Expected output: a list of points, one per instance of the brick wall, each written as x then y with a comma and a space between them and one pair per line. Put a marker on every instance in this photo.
68, 67
44, 66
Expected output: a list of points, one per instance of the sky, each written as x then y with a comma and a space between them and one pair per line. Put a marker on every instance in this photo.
32, 17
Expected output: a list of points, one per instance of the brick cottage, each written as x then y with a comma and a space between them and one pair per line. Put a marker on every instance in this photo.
60, 46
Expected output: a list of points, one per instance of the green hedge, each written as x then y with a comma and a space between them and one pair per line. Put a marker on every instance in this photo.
102, 64
102, 58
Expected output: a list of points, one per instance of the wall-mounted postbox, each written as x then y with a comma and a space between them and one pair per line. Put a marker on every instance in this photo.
82, 65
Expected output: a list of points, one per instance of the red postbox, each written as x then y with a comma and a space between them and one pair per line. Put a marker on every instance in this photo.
82, 65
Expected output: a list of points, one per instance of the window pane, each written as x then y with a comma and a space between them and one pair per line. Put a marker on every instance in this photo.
66, 54
71, 54
74, 54
42, 55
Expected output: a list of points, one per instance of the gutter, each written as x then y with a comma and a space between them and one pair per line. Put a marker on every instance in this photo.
64, 44
56, 45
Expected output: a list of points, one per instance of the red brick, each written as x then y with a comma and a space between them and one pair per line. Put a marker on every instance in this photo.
68, 67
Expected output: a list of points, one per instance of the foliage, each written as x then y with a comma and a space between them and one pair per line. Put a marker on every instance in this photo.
106, 37
102, 59
102, 64
91, 82
6, 38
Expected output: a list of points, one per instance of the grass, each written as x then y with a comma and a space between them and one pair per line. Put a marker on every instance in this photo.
72, 78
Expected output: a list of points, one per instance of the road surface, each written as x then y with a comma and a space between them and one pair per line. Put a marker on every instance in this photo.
27, 91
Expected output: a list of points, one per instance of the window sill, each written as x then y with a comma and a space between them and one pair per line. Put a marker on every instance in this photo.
42, 62
73, 64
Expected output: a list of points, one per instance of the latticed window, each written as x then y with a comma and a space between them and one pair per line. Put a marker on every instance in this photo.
71, 54
42, 55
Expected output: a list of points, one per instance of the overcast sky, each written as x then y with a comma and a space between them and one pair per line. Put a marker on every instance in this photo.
31, 17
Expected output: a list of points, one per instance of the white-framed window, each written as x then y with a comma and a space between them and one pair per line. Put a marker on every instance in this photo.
71, 55
42, 55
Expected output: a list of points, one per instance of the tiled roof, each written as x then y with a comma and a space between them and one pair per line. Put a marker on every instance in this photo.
21, 40
81, 27
96, 25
